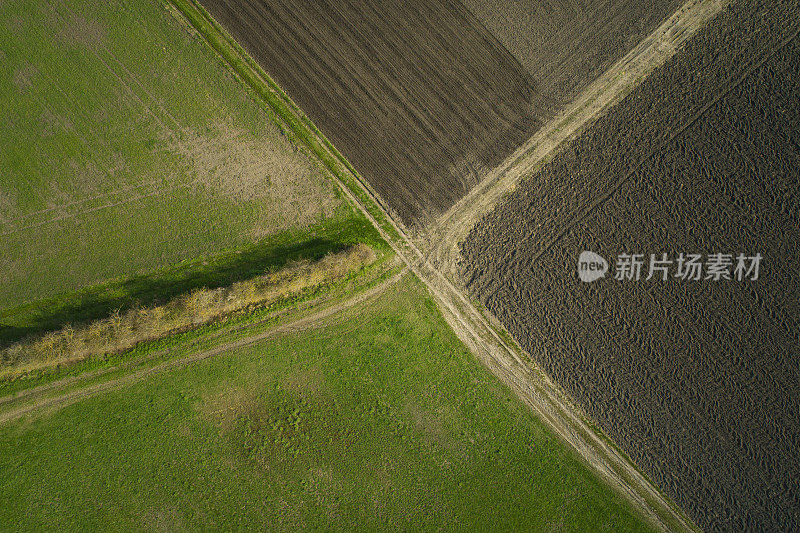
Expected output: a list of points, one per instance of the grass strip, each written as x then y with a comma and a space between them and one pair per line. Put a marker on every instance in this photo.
121, 332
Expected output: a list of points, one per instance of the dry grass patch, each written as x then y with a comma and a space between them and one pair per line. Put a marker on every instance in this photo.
77, 29
23, 77
230, 162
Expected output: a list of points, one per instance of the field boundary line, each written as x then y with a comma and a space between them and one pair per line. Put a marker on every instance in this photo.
229, 325
442, 241
502, 357
278, 103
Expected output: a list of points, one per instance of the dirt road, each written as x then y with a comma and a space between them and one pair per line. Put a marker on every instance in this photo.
698, 382
442, 239
42, 397
472, 326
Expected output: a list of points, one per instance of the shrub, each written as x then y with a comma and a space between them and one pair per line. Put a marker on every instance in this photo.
122, 331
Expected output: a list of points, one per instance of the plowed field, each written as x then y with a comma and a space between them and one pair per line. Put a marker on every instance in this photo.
419, 95
565, 45
697, 380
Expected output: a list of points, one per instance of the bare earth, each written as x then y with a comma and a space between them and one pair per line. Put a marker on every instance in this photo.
441, 241
417, 94
566, 44
473, 327
697, 380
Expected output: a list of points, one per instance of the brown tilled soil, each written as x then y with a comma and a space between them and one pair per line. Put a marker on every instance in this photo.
565, 45
419, 95
697, 380
416, 94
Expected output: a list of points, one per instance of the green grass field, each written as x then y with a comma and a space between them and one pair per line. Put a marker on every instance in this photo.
381, 419
127, 146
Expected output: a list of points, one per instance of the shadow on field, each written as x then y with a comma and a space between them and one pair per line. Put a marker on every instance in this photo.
159, 287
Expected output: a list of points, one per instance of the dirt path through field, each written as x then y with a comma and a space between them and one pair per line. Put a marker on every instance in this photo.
442, 240
480, 332
37, 399
517, 370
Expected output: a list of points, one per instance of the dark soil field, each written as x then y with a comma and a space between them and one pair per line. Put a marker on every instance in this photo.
697, 380
417, 95
565, 45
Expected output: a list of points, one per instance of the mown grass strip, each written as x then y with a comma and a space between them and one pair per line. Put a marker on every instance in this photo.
254, 77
